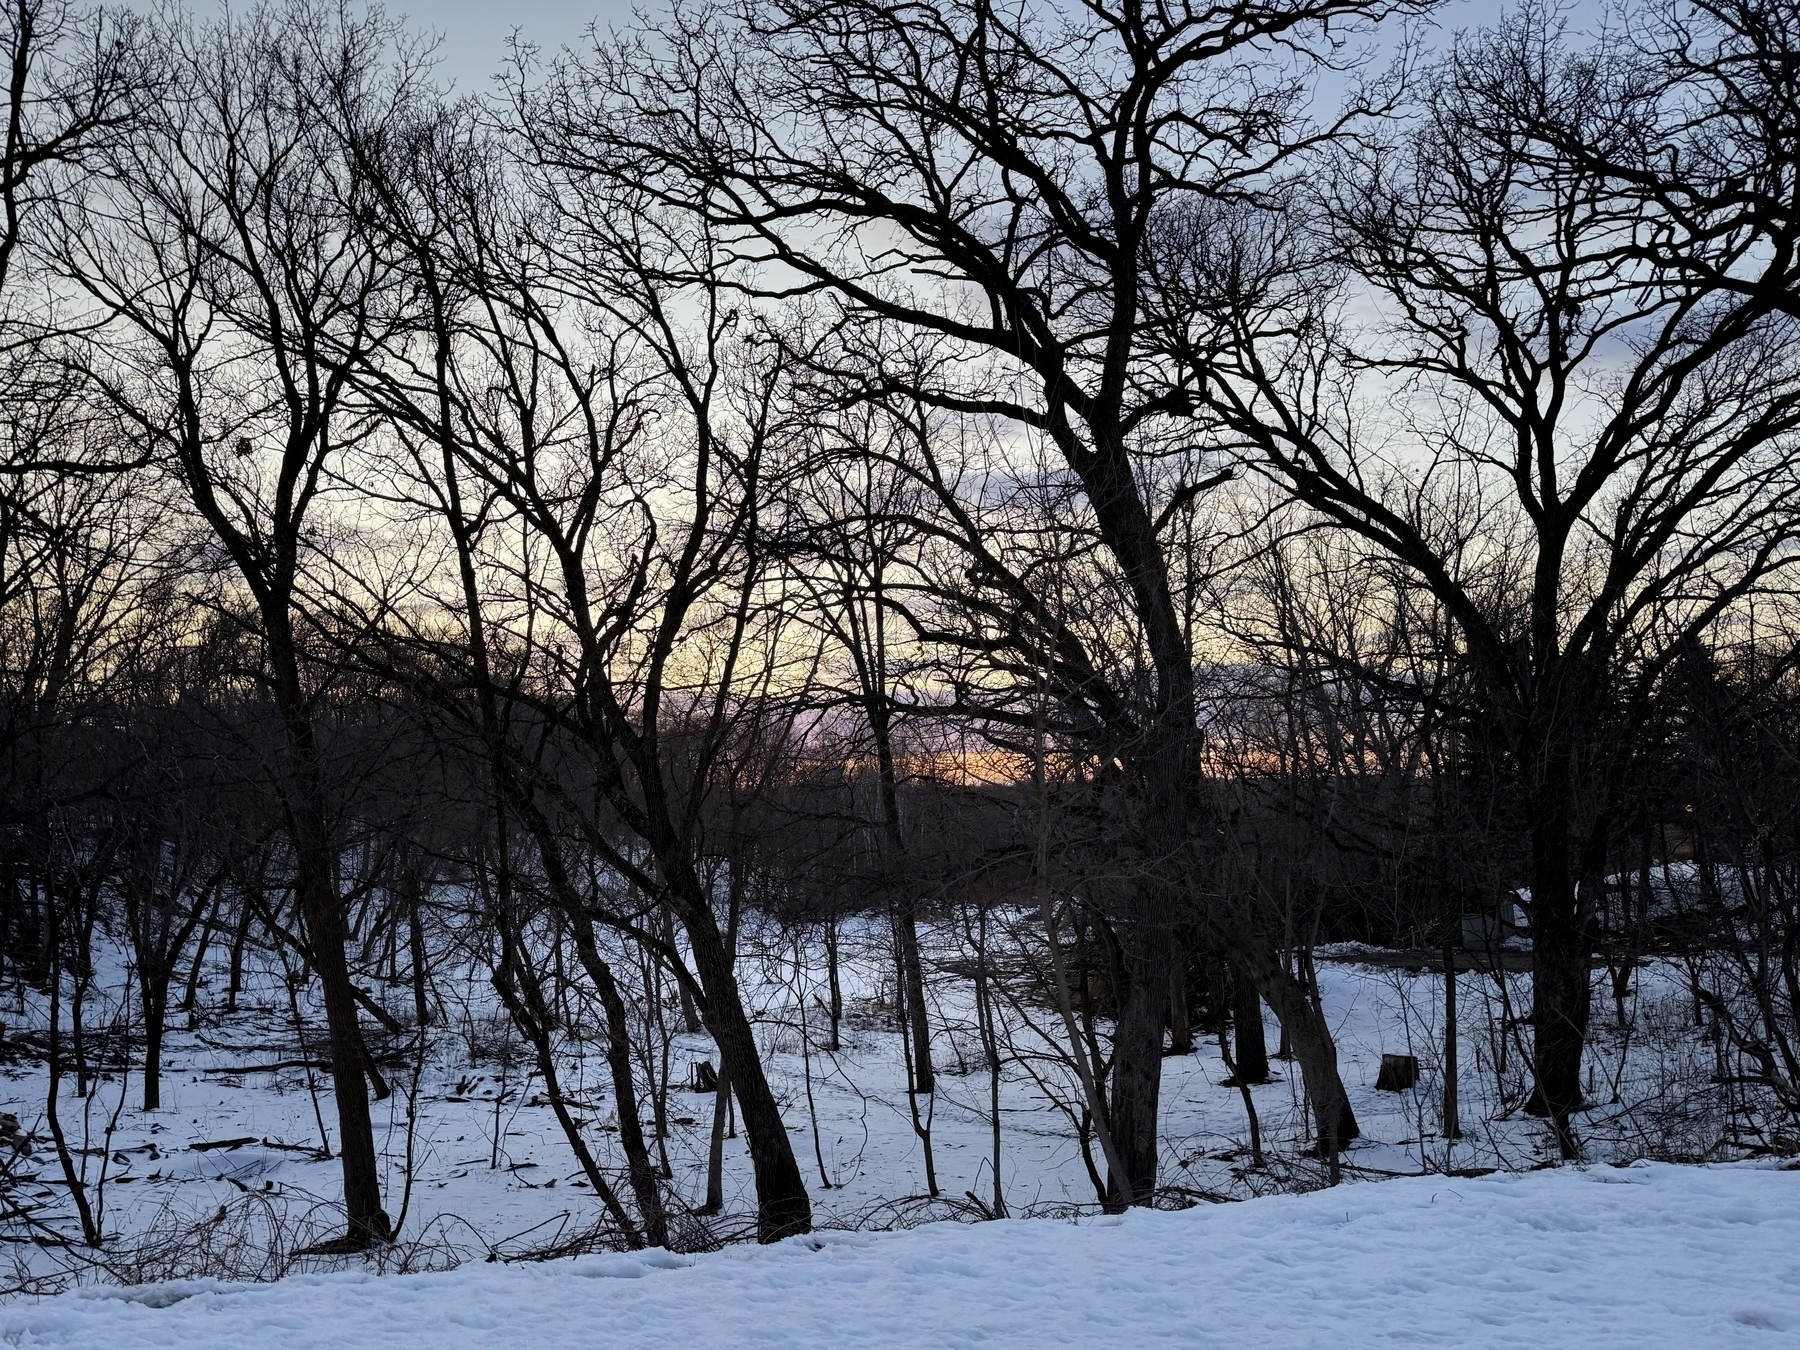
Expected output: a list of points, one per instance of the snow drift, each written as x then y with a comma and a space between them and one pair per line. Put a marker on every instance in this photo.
1642, 1257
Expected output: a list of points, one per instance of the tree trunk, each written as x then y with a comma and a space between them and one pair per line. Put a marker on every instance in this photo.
155, 1002
1310, 1036
1137, 1061
690, 1014
314, 868
782, 1206
1452, 1117
1246, 1013
642, 1173
1559, 966
1181, 1034
415, 946
367, 1221
239, 937
906, 919
924, 1079
190, 992
715, 1150
834, 983
525, 1001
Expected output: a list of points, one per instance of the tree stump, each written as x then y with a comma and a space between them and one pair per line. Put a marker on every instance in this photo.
706, 1078
1398, 1073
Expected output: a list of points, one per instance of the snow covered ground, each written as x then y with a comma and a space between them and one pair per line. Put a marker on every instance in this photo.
1643, 1257
492, 1176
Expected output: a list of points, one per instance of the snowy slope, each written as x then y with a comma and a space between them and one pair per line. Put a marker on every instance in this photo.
1642, 1257
491, 1168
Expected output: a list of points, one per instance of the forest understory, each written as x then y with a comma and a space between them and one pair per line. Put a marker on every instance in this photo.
233, 1177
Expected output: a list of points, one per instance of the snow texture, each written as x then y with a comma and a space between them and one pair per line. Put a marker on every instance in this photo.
492, 1169
1643, 1257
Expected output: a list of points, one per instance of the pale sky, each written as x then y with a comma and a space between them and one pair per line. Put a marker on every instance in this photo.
474, 32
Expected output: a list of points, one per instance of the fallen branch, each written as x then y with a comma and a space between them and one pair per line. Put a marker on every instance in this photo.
279, 1064
310, 1150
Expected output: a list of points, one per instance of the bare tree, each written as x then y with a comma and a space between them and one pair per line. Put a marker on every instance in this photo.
223, 257
1584, 451
592, 437
991, 180
73, 78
